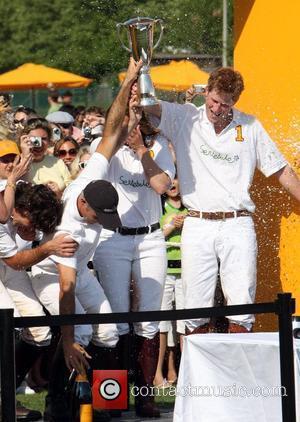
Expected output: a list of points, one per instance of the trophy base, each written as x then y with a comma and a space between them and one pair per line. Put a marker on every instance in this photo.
148, 101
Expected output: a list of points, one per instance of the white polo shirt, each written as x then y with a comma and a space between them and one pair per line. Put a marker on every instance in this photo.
216, 171
85, 234
139, 204
8, 246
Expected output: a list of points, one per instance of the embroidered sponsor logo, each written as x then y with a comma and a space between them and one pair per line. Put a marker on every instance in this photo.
205, 150
133, 183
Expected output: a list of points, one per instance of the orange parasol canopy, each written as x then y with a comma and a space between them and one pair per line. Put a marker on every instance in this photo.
30, 76
176, 75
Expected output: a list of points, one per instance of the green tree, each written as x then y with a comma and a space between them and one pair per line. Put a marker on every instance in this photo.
80, 36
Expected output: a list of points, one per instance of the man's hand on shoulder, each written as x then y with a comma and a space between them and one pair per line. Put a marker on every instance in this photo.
62, 245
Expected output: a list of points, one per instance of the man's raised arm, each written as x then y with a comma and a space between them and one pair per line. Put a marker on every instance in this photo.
116, 125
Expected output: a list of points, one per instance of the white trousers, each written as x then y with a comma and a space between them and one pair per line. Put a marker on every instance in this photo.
173, 292
89, 298
142, 258
16, 293
206, 244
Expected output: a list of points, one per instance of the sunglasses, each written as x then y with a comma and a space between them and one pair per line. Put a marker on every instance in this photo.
65, 125
62, 152
82, 164
19, 122
6, 159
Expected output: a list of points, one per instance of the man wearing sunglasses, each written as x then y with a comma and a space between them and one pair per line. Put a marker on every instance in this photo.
21, 115
65, 122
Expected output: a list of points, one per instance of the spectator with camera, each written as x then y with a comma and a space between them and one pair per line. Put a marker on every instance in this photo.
45, 169
21, 115
65, 121
93, 124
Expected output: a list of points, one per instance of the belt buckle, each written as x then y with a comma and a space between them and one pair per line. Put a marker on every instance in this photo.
192, 213
223, 215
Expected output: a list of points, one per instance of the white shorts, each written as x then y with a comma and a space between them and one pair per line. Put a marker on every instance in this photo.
173, 292
206, 244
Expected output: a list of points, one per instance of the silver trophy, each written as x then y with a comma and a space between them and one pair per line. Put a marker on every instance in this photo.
140, 35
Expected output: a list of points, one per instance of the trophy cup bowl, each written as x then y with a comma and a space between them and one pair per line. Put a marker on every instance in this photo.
140, 33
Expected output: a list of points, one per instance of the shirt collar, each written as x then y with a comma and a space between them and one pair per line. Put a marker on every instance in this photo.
234, 121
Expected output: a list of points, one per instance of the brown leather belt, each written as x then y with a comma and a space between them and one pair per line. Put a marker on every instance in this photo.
218, 215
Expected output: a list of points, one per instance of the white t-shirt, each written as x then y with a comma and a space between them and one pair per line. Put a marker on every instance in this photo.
85, 234
139, 205
8, 246
216, 171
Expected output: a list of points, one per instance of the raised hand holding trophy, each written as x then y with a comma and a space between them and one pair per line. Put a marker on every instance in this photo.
141, 35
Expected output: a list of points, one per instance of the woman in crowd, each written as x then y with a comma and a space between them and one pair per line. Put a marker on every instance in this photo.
67, 149
12, 168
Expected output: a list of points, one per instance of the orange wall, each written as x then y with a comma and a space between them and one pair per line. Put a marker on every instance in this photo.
266, 52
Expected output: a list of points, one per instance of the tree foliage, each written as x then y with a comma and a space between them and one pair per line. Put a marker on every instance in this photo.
80, 36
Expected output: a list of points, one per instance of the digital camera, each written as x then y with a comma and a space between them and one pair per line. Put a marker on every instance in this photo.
36, 141
88, 137
56, 134
199, 88
87, 131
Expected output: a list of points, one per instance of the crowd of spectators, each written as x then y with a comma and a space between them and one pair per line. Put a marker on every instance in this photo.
51, 152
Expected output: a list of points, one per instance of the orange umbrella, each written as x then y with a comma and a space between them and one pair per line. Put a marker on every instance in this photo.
175, 76
30, 76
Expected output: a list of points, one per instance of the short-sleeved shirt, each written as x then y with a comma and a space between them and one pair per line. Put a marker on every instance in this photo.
85, 234
139, 205
216, 170
50, 169
8, 246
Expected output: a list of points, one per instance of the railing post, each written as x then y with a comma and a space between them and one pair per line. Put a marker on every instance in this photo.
7, 357
286, 307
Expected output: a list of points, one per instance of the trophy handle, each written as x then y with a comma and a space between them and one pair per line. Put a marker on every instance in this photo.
161, 32
119, 25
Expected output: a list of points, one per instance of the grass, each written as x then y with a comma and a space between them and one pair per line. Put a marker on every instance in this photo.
37, 401
33, 401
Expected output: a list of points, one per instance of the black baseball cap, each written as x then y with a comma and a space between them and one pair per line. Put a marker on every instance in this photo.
103, 198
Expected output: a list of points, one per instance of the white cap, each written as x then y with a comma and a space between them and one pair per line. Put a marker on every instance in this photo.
60, 117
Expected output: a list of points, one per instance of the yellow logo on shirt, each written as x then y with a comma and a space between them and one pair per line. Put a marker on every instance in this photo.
239, 134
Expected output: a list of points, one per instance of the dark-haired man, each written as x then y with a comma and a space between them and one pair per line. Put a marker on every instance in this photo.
218, 149
36, 208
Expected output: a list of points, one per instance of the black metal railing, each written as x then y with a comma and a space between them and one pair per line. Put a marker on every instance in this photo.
283, 307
